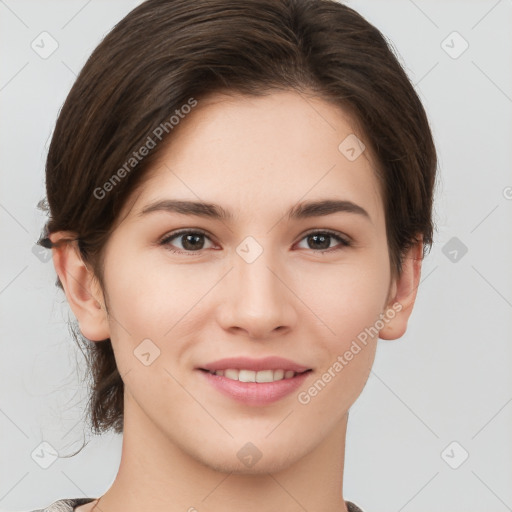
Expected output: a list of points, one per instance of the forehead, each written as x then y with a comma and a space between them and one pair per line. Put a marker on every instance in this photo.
247, 152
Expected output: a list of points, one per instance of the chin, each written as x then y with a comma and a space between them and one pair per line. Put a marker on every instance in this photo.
248, 458
263, 466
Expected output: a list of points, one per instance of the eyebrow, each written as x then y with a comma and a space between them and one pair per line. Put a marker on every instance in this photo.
214, 211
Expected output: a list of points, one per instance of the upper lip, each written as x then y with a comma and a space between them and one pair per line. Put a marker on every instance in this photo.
247, 363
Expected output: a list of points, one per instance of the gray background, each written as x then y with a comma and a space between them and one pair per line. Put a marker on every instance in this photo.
441, 392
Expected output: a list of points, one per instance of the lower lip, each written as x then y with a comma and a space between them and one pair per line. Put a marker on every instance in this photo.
255, 393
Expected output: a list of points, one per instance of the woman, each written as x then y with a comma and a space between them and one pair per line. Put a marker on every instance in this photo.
240, 198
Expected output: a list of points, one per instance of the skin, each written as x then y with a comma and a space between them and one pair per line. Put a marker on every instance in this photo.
257, 157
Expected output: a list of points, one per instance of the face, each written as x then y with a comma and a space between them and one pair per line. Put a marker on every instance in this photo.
185, 290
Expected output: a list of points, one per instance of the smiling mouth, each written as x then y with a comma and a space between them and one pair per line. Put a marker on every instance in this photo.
261, 376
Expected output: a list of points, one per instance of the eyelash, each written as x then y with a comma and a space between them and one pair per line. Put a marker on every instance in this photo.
337, 236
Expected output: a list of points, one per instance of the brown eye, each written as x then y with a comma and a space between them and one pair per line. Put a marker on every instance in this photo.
321, 240
194, 241
191, 241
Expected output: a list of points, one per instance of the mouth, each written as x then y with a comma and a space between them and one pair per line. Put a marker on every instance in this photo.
255, 382
261, 376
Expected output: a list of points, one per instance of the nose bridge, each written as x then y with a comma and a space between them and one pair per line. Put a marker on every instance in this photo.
253, 270
259, 300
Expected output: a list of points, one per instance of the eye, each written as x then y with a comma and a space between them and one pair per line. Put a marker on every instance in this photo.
322, 240
191, 241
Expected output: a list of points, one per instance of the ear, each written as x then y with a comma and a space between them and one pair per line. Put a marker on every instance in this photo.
403, 294
81, 287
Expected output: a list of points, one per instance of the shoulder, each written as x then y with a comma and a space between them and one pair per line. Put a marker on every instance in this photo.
352, 507
65, 505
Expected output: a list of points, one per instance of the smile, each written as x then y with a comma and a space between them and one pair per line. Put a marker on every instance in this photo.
255, 376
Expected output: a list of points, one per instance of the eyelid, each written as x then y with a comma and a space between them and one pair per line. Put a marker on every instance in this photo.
337, 234
175, 234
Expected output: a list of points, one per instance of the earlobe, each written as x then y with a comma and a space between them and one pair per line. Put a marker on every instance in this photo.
82, 290
403, 294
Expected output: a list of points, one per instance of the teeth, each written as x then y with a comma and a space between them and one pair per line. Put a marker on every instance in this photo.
247, 376
279, 374
262, 376
231, 374
253, 376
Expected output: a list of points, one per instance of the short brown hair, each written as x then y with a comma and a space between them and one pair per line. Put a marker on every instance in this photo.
165, 52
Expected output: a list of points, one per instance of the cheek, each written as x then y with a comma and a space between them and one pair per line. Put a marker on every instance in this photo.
346, 351
149, 299
151, 310
348, 300
346, 297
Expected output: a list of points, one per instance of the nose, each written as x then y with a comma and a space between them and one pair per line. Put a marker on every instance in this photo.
257, 298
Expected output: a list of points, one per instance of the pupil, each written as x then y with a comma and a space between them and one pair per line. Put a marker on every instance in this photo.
324, 238
187, 238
